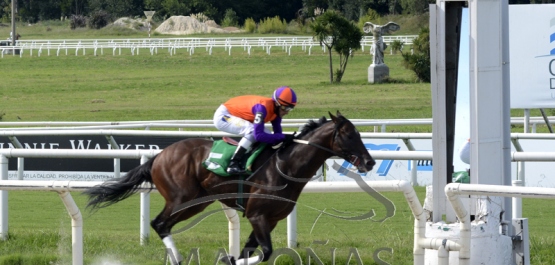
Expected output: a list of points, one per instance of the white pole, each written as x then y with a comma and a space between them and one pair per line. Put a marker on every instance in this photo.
3, 199
117, 168
20, 167
526, 120
145, 211
442, 256
517, 202
413, 171
234, 227
292, 228
76, 227
521, 172
464, 218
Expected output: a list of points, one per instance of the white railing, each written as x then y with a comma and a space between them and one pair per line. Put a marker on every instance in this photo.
380, 125
63, 187
453, 191
171, 45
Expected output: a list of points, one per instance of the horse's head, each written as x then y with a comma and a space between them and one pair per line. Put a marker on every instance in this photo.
347, 142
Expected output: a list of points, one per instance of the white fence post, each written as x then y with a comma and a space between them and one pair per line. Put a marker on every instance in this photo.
76, 227
145, 211
3, 199
292, 228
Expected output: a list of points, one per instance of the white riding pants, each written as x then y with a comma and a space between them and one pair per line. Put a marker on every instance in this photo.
228, 123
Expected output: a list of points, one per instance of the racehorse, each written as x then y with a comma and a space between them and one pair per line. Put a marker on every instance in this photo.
279, 175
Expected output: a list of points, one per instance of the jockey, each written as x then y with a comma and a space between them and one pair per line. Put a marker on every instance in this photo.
246, 116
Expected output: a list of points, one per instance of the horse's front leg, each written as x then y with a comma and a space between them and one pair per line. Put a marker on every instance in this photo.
260, 236
250, 246
246, 252
261, 228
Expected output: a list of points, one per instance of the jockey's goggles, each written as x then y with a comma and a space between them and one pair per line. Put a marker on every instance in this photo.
286, 108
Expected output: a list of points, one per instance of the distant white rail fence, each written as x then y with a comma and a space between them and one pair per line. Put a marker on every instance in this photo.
171, 45
380, 125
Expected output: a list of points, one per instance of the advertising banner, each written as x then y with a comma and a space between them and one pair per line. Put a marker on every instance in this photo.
532, 56
79, 168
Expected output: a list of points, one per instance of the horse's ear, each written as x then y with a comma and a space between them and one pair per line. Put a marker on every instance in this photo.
338, 113
333, 118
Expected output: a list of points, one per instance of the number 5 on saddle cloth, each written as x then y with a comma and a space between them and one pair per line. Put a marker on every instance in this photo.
221, 154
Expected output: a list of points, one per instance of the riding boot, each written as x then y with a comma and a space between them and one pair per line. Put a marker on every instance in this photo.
235, 166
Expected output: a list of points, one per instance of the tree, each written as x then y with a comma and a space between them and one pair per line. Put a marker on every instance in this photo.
337, 33
117, 8
415, 7
419, 62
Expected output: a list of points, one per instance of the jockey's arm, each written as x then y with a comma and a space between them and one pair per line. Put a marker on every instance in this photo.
260, 134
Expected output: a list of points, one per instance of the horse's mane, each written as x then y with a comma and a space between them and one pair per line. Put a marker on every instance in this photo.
310, 126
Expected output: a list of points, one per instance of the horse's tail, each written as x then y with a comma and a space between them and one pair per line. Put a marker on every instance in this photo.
111, 192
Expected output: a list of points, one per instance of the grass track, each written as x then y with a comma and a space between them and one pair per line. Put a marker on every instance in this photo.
112, 234
145, 87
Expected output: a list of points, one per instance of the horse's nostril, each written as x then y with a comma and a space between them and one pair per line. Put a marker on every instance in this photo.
371, 164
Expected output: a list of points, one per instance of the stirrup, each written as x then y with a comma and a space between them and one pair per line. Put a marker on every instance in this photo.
234, 168
235, 171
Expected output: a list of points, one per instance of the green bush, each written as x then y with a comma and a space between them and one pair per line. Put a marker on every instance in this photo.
250, 25
99, 19
419, 62
272, 25
230, 19
371, 15
78, 21
396, 45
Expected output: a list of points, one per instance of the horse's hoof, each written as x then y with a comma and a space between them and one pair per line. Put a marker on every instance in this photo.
228, 260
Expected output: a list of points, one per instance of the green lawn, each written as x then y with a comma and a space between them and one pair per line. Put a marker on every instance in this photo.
39, 236
183, 86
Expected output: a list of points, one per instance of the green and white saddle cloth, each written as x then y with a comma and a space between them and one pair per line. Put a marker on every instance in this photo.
221, 154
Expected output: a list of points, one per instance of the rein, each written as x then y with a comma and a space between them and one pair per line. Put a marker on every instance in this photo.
352, 159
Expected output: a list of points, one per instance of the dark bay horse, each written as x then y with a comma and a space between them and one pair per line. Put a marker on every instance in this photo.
270, 192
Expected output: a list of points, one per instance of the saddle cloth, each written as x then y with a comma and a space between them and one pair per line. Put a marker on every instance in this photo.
221, 154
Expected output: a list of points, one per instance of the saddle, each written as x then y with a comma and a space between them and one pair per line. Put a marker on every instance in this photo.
221, 153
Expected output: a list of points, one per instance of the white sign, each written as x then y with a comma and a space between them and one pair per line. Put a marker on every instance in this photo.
340, 169
532, 56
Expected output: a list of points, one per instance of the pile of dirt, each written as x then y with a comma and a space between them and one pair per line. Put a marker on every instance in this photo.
183, 25
139, 24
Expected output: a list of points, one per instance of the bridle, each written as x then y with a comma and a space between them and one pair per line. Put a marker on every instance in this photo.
353, 159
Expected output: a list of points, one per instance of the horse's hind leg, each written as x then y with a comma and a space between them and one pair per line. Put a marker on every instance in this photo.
164, 222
